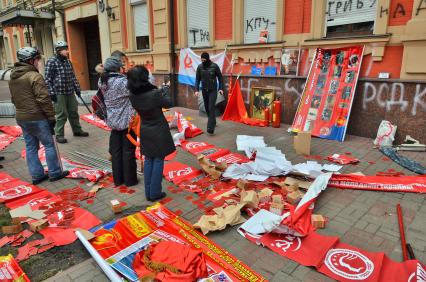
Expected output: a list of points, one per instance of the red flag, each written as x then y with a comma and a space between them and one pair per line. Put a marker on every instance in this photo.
235, 109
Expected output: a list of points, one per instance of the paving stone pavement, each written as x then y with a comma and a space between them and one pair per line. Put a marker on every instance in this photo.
362, 218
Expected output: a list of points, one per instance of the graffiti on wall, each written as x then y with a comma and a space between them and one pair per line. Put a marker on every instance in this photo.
396, 97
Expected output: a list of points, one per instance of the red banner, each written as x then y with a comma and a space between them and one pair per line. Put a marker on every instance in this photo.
231, 158
184, 125
12, 130
194, 147
10, 271
327, 98
92, 119
340, 261
15, 188
178, 172
5, 140
414, 184
119, 243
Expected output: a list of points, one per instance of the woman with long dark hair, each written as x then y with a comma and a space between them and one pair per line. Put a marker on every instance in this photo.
119, 112
155, 139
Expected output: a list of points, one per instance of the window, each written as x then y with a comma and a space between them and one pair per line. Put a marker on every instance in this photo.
350, 17
260, 21
198, 15
140, 16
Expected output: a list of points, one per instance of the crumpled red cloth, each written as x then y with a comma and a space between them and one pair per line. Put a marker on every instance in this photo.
171, 262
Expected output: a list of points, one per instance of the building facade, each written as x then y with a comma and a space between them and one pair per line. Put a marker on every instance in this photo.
258, 37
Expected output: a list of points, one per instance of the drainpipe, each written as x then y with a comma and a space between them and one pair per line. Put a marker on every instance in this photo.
173, 84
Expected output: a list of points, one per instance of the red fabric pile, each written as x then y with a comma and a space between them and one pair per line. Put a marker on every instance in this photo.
171, 262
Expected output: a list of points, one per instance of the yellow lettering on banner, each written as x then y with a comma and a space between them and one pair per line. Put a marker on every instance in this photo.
137, 225
241, 269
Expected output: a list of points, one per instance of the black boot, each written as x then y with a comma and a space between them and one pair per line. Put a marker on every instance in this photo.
61, 139
60, 176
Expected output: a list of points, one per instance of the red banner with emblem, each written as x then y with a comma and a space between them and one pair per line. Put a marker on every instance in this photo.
120, 241
414, 184
10, 271
328, 95
338, 260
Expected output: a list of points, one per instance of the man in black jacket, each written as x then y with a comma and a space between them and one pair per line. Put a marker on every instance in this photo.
208, 73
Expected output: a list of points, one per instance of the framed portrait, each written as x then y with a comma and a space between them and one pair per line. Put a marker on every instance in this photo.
260, 99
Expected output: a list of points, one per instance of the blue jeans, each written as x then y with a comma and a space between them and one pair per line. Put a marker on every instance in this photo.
35, 132
153, 175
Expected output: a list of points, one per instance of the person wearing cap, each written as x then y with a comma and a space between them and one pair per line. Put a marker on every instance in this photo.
208, 73
62, 84
35, 115
119, 112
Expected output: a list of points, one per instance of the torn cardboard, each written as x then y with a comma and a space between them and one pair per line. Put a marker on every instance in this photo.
249, 199
302, 143
230, 215
277, 208
302, 184
209, 167
12, 229
294, 197
26, 211
265, 195
38, 225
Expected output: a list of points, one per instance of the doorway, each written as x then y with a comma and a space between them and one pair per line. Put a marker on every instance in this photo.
93, 51
85, 50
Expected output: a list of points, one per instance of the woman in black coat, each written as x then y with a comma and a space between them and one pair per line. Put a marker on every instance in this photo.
155, 138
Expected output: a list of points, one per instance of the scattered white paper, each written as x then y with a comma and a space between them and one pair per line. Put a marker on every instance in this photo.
331, 167
262, 222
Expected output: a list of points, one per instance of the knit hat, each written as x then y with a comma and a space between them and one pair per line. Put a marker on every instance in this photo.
205, 55
112, 64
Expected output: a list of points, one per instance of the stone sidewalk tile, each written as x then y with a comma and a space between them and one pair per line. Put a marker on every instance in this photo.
365, 219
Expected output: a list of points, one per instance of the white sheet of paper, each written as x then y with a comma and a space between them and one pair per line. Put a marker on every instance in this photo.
262, 222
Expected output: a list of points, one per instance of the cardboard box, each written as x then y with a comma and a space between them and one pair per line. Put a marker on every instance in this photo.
277, 199
116, 206
38, 225
291, 188
302, 184
302, 143
294, 197
265, 195
318, 221
277, 208
242, 184
12, 229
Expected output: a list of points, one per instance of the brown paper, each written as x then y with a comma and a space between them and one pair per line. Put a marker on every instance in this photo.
38, 225
291, 188
290, 181
277, 199
242, 184
302, 143
209, 167
249, 199
87, 234
26, 211
230, 215
277, 208
11, 229
294, 197
265, 195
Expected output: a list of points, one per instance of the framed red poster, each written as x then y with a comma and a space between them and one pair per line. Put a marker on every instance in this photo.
326, 102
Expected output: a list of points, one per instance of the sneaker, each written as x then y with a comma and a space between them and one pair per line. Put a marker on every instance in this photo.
61, 139
40, 180
210, 131
1, 158
162, 195
81, 134
60, 176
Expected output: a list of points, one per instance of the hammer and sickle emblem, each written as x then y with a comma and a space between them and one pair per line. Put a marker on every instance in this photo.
188, 62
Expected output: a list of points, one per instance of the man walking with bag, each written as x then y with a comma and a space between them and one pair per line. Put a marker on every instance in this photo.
62, 85
35, 115
208, 73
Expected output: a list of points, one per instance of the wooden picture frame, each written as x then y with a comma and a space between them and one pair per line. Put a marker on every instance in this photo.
260, 99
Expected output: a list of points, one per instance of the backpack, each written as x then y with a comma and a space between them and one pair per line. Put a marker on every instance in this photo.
98, 105
135, 127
